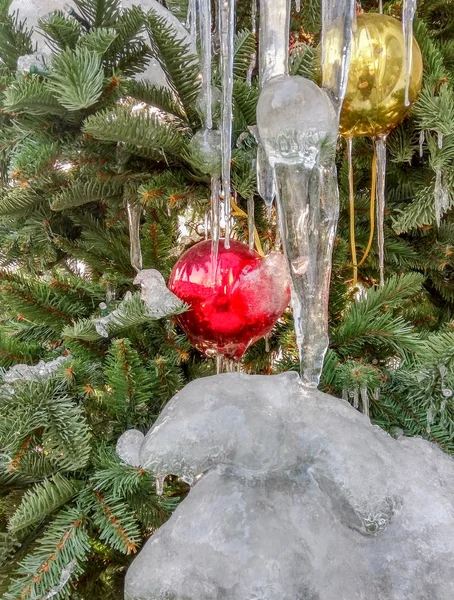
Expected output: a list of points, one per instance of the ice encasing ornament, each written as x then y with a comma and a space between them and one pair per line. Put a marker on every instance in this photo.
374, 102
297, 124
378, 96
236, 305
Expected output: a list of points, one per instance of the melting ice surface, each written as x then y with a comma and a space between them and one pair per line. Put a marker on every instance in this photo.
301, 498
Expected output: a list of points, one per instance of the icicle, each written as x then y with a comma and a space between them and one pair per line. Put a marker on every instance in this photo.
227, 31
274, 34
380, 7
219, 363
277, 241
205, 61
430, 418
267, 342
377, 394
191, 20
408, 13
206, 226
441, 196
273, 39
159, 482
215, 224
338, 20
422, 139
134, 211
365, 400
354, 395
250, 222
440, 140
298, 5
380, 149
238, 367
110, 292
344, 394
253, 62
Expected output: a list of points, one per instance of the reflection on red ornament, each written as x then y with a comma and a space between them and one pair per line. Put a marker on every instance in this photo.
239, 305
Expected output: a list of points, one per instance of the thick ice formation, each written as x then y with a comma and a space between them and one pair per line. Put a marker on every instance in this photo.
301, 498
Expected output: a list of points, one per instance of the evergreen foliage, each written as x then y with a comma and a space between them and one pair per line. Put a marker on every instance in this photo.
86, 133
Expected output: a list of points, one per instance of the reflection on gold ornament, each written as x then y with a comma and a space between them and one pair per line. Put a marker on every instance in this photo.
375, 99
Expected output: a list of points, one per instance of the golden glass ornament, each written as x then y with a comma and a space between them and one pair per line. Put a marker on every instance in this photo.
374, 102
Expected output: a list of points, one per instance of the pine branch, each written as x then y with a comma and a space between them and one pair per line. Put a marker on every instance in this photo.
158, 96
143, 129
81, 192
43, 500
32, 95
117, 524
63, 547
179, 65
77, 79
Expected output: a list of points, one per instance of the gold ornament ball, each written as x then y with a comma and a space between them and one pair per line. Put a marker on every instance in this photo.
374, 102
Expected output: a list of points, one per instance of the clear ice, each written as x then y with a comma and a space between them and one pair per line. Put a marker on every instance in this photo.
298, 128
39, 372
134, 210
338, 18
274, 31
408, 14
226, 10
204, 7
441, 196
160, 301
296, 496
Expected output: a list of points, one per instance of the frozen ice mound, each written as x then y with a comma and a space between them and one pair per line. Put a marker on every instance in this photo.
301, 498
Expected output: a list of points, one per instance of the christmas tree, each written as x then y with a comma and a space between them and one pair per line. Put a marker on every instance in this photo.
85, 138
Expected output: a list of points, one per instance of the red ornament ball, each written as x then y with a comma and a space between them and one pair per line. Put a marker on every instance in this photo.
240, 304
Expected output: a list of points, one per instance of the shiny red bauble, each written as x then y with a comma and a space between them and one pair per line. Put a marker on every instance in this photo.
236, 306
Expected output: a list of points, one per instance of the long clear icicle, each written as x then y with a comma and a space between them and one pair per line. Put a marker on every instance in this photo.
380, 7
215, 222
205, 57
253, 62
274, 34
408, 14
380, 149
134, 211
227, 32
191, 20
338, 19
308, 212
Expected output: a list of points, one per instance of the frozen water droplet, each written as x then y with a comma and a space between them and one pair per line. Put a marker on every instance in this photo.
446, 393
206, 151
